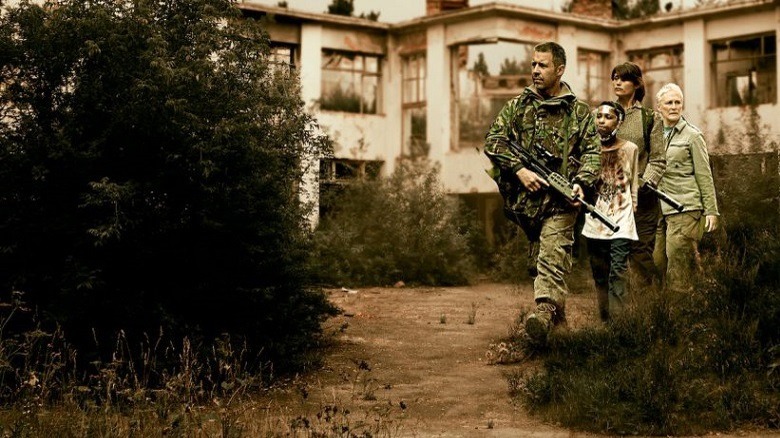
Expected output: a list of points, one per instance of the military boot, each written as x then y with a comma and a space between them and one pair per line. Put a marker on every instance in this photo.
539, 323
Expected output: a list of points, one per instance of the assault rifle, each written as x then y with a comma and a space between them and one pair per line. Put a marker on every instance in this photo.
663, 196
557, 182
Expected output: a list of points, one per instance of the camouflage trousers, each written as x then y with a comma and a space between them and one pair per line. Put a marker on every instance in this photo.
554, 260
677, 248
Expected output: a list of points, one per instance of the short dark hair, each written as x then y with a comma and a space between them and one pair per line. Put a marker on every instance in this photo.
621, 113
558, 54
628, 71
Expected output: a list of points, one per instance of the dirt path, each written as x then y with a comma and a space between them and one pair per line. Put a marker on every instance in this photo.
419, 356
412, 362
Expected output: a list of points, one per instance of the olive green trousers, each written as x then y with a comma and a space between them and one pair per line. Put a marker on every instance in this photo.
677, 248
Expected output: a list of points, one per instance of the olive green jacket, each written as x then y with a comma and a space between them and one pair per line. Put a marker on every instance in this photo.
652, 156
688, 176
564, 126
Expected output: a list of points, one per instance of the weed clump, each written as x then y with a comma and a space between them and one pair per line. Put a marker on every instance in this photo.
675, 364
403, 228
161, 388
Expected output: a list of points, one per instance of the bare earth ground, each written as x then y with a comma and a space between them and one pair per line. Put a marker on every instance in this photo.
411, 357
410, 361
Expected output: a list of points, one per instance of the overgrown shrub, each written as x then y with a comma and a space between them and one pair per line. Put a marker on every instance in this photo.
747, 188
403, 228
676, 364
149, 163
201, 390
510, 258
746, 175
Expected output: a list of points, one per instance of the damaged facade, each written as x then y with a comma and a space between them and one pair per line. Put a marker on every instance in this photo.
433, 84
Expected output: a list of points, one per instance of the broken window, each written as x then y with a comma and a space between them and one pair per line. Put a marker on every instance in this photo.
660, 66
485, 76
593, 70
344, 171
744, 71
414, 102
282, 57
350, 82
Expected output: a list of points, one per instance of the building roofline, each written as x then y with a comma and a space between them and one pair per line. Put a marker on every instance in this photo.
709, 11
319, 17
504, 10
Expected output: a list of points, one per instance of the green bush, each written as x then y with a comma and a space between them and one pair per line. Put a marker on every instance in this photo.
149, 159
403, 228
747, 187
173, 388
676, 364
509, 261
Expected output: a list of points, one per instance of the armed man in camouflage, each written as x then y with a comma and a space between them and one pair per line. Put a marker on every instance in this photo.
547, 113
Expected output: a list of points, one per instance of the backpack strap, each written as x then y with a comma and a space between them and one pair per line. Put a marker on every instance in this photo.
647, 125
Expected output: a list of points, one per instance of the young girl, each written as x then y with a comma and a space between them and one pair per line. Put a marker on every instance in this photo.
616, 192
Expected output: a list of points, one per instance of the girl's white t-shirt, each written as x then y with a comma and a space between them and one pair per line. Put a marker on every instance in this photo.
616, 192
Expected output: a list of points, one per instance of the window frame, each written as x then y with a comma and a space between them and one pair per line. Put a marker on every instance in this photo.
276, 59
418, 79
491, 86
604, 80
361, 73
718, 100
676, 52
413, 111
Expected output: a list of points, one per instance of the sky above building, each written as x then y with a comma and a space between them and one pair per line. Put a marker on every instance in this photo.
393, 11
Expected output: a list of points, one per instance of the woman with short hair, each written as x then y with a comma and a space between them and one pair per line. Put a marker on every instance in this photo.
688, 179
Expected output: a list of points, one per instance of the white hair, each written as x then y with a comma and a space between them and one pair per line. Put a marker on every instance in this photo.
667, 88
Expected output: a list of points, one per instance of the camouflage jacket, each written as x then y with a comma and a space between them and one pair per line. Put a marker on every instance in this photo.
564, 126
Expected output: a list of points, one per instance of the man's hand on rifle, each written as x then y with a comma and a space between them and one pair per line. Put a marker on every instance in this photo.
577, 193
531, 180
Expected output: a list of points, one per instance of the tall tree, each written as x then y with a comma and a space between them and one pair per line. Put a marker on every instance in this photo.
511, 67
630, 9
373, 15
480, 66
149, 160
342, 7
